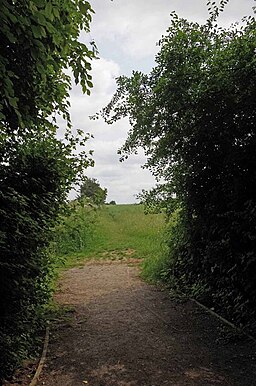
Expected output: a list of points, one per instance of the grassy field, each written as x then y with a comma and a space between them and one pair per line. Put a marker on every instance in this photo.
113, 232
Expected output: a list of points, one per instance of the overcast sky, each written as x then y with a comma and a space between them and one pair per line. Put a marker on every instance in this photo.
126, 33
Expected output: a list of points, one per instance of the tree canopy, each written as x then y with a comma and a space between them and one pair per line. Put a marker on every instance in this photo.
40, 39
92, 190
194, 115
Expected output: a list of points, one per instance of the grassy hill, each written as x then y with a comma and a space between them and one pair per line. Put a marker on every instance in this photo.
112, 232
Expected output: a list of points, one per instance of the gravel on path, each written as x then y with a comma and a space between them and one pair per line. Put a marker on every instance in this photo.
124, 332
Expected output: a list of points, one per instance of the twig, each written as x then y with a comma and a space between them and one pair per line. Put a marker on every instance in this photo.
42, 360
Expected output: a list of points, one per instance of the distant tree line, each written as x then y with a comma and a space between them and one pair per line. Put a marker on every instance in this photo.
112, 202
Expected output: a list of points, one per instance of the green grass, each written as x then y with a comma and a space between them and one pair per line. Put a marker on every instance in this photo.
123, 227
119, 232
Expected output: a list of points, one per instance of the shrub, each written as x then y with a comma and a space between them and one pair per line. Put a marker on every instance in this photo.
194, 115
33, 185
74, 231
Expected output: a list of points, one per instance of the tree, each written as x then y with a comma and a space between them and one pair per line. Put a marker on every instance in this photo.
39, 39
194, 115
39, 42
91, 189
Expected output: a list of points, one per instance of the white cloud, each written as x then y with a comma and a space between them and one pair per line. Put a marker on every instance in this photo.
104, 72
134, 27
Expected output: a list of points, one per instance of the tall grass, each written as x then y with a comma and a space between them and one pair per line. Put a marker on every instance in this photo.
126, 227
156, 268
74, 233
110, 232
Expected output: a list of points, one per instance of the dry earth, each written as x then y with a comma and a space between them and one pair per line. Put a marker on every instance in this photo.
125, 332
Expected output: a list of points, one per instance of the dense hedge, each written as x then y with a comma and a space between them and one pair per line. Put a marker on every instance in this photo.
217, 251
32, 192
195, 116
39, 39
75, 229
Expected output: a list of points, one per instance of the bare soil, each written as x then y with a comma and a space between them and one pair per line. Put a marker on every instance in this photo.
125, 332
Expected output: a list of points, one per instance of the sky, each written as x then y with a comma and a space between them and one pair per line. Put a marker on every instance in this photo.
126, 34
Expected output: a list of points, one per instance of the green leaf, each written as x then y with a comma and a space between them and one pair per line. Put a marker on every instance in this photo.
13, 102
49, 11
56, 12
39, 3
84, 6
37, 31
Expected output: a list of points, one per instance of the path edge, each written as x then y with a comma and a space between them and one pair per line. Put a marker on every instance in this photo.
42, 359
222, 319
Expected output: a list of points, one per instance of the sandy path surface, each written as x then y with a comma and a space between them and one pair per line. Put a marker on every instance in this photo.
125, 332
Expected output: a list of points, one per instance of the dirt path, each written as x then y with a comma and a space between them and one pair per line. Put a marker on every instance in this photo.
124, 332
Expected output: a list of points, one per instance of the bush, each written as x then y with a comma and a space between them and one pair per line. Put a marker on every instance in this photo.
39, 41
194, 115
75, 228
33, 184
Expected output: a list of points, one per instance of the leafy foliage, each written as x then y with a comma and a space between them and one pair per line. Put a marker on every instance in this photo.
194, 115
91, 189
75, 229
39, 42
33, 186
